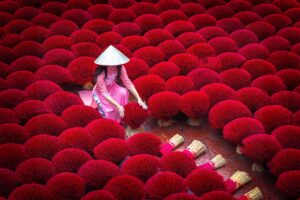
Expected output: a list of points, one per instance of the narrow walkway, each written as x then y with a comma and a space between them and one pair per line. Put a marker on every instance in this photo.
217, 145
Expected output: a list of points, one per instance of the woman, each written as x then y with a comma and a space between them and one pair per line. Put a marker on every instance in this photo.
110, 76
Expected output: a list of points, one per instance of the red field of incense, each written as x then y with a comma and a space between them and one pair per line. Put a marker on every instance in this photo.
222, 72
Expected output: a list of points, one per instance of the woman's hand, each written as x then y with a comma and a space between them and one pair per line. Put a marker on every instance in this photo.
143, 104
121, 111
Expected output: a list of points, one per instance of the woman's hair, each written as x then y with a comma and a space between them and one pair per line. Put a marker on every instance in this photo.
100, 69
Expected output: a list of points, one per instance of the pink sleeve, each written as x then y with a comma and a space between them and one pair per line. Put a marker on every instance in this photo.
126, 81
101, 88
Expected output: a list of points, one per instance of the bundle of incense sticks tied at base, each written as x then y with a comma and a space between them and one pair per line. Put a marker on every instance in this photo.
171, 144
237, 180
194, 122
88, 85
164, 123
132, 131
195, 149
257, 167
217, 162
254, 194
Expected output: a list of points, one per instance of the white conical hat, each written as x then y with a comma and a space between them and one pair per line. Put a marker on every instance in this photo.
111, 57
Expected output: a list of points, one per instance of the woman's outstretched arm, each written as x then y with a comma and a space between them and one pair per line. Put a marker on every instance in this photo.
129, 85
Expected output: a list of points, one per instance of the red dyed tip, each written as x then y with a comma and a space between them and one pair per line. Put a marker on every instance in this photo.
208, 165
230, 186
188, 153
243, 198
166, 148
